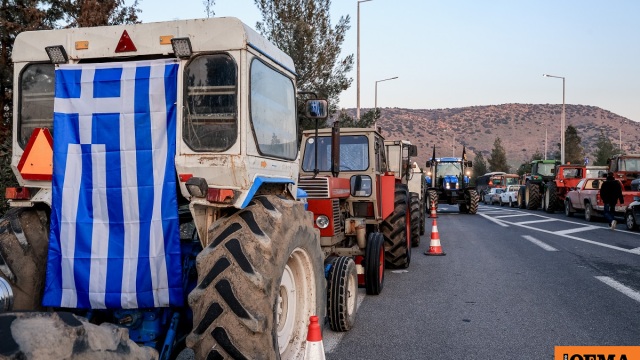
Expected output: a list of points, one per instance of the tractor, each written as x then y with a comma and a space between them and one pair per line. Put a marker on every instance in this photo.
158, 201
542, 172
625, 168
359, 206
565, 178
399, 154
449, 183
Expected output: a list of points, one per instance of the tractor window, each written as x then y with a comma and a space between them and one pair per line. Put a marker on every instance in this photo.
629, 165
273, 112
354, 153
450, 168
546, 169
210, 122
36, 100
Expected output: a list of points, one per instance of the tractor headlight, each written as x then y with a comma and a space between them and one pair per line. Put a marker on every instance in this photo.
447, 186
322, 221
6, 296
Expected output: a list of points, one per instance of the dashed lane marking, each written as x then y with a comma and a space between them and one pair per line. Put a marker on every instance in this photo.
620, 287
540, 243
513, 215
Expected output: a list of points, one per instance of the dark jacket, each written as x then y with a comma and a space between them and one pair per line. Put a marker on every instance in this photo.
611, 192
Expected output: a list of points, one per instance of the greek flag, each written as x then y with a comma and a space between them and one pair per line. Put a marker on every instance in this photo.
115, 238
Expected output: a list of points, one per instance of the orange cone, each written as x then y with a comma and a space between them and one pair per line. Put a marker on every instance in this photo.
434, 246
314, 349
433, 214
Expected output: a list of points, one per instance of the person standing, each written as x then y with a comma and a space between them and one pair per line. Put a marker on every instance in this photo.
610, 193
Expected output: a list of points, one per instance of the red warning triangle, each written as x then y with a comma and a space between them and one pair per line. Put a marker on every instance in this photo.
36, 162
125, 44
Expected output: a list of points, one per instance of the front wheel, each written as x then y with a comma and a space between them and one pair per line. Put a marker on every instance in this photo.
588, 212
374, 264
259, 281
568, 209
630, 221
342, 293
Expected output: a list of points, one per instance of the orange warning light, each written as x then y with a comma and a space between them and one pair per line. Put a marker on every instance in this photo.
36, 162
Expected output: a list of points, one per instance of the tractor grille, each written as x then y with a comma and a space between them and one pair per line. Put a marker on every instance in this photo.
317, 188
337, 224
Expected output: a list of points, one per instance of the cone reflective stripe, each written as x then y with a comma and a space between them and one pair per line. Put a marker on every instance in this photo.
434, 246
314, 349
433, 213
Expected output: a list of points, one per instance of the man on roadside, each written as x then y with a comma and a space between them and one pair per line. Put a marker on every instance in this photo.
610, 193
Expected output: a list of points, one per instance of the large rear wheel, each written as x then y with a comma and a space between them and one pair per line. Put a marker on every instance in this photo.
374, 264
551, 198
532, 196
416, 222
395, 230
24, 241
259, 281
472, 199
342, 293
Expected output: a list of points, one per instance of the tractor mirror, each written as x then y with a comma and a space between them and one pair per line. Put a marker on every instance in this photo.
413, 150
316, 109
469, 163
428, 164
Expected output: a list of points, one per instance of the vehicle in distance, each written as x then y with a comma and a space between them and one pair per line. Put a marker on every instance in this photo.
492, 196
510, 196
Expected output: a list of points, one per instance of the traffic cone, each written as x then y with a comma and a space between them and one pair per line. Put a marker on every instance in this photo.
433, 214
434, 246
314, 349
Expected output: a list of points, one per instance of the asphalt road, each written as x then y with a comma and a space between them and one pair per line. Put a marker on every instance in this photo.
513, 284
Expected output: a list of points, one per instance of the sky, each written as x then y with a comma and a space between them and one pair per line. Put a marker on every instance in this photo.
458, 53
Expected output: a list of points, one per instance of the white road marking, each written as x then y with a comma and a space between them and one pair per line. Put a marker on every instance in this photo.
535, 221
571, 231
636, 250
620, 287
331, 339
539, 243
508, 216
494, 220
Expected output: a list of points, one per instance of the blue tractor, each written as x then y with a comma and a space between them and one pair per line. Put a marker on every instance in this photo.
448, 182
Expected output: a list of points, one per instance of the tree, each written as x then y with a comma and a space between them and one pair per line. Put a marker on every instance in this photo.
498, 159
85, 13
479, 165
604, 149
208, 7
302, 29
367, 119
573, 152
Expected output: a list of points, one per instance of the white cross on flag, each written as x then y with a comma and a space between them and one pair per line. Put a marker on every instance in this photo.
114, 239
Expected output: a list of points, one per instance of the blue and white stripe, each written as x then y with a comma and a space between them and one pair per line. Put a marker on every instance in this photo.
114, 240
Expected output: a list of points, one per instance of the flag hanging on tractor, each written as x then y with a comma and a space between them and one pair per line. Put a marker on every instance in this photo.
114, 238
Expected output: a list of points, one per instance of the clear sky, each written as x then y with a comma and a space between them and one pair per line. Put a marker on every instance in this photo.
457, 53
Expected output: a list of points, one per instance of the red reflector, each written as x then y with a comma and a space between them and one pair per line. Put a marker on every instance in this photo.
125, 44
185, 177
220, 196
36, 161
18, 193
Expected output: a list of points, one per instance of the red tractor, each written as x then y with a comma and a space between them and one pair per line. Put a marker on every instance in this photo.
566, 177
625, 168
360, 208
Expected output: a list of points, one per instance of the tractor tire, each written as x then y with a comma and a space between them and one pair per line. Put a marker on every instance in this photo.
24, 242
62, 335
432, 200
342, 293
472, 202
374, 264
532, 196
423, 213
394, 229
551, 198
416, 223
257, 259
521, 198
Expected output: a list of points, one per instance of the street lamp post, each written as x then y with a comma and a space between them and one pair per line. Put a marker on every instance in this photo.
562, 117
358, 63
376, 98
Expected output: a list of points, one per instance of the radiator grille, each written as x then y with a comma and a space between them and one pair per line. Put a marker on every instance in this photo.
317, 188
337, 224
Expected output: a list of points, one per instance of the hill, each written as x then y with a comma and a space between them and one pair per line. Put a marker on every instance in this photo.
520, 127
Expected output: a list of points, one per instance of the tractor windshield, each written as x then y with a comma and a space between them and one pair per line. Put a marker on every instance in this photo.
448, 168
354, 153
546, 169
629, 164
